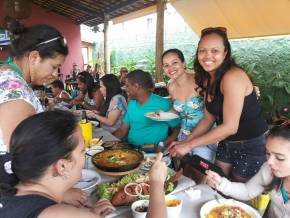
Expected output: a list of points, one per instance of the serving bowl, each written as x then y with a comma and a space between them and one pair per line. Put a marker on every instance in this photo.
118, 160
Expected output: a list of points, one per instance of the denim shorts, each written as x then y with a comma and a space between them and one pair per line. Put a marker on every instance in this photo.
246, 156
207, 152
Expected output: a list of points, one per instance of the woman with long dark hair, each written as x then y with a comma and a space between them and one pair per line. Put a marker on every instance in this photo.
231, 101
114, 107
48, 154
89, 96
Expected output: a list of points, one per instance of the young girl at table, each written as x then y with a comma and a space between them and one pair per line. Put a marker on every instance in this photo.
48, 155
274, 175
114, 108
89, 96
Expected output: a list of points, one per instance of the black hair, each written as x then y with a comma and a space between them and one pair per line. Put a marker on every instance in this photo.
113, 87
37, 38
282, 131
174, 51
86, 78
58, 84
142, 78
201, 76
38, 142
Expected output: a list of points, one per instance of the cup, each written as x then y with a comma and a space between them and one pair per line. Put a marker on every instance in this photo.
173, 206
87, 130
139, 203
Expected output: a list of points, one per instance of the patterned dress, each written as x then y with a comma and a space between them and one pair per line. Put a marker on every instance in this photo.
118, 102
191, 112
14, 87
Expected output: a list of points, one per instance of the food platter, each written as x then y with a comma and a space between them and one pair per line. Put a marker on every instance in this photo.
130, 188
161, 116
117, 160
213, 208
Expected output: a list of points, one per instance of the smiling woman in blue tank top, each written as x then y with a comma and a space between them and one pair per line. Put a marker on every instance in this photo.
230, 100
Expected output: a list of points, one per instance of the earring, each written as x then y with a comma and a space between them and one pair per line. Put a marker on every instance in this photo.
54, 174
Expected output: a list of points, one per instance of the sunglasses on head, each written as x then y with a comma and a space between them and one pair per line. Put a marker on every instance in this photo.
223, 29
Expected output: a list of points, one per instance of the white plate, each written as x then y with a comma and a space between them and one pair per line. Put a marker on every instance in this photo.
91, 175
163, 116
205, 209
166, 159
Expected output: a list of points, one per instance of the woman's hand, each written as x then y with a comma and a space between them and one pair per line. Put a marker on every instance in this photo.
103, 207
213, 179
75, 197
178, 149
158, 171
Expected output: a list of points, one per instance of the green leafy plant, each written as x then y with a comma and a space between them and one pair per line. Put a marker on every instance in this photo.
275, 90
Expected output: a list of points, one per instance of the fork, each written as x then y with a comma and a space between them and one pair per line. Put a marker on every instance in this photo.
216, 196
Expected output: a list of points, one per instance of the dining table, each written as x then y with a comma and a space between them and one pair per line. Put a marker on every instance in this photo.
190, 204
193, 195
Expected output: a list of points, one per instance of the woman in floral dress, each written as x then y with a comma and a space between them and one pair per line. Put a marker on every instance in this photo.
186, 101
37, 52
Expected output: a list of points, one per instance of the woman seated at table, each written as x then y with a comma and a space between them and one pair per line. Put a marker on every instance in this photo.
274, 175
46, 172
141, 130
114, 108
89, 97
58, 92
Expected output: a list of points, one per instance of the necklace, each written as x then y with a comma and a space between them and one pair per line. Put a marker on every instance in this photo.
9, 61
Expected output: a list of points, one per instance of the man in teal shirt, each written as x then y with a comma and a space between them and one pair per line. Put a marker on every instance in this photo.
140, 129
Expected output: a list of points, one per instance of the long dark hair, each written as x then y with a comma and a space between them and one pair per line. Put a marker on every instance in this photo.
39, 141
86, 78
201, 76
43, 38
113, 87
282, 131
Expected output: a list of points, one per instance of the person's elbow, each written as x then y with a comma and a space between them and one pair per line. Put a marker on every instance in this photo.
231, 129
111, 122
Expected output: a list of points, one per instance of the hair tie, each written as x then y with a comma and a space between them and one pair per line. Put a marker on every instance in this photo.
8, 167
6, 160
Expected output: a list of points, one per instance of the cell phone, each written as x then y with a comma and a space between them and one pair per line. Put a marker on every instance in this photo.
203, 165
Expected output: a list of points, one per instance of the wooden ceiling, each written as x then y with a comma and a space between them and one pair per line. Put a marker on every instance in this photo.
91, 12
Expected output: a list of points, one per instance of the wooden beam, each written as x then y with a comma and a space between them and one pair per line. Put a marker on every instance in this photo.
159, 40
112, 9
106, 44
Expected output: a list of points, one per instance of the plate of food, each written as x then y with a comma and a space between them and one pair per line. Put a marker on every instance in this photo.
130, 188
89, 180
117, 160
161, 116
227, 208
116, 145
149, 161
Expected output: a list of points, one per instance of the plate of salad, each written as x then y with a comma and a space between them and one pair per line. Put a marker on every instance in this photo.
131, 187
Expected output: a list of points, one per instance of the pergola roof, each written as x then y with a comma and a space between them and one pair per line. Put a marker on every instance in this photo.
242, 18
92, 12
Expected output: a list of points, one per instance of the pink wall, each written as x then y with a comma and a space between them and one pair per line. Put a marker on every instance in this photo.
70, 30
